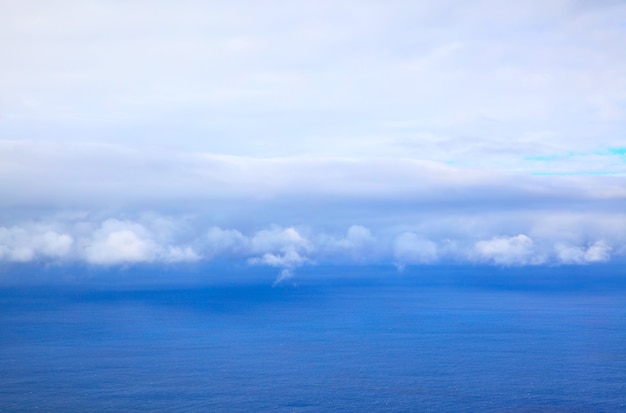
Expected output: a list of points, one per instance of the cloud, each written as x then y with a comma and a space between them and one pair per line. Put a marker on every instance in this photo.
181, 254
357, 236
118, 242
33, 242
285, 240
284, 275
599, 251
91, 176
53, 244
288, 258
225, 241
126, 242
358, 244
411, 248
514, 250
476, 83
278, 247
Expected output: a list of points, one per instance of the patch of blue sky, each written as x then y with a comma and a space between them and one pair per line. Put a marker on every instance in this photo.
617, 151
567, 167
570, 155
577, 173
546, 158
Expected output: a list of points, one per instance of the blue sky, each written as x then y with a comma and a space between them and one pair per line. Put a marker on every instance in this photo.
286, 134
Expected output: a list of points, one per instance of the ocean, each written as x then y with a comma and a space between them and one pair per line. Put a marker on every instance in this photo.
433, 340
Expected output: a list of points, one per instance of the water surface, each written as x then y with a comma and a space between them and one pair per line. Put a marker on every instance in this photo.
401, 344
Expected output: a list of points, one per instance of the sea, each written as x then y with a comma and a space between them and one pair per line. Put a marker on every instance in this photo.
469, 339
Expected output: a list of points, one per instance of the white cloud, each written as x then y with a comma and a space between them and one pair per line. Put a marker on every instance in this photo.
357, 237
126, 242
411, 248
279, 247
117, 242
279, 240
32, 242
53, 244
13, 245
288, 258
599, 251
357, 245
514, 250
181, 254
225, 241
285, 274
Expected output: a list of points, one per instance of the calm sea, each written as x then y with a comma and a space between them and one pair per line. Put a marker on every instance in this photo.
494, 343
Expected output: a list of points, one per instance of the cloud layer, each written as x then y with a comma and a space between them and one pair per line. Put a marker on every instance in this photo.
39, 173
160, 240
538, 86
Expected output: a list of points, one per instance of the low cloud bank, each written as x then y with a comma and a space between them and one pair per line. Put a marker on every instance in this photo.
161, 240
90, 175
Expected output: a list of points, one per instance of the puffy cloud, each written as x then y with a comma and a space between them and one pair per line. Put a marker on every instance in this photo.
53, 244
515, 250
289, 248
279, 240
411, 248
31, 242
220, 241
14, 245
357, 236
357, 245
599, 251
279, 247
288, 258
127, 242
181, 254
275, 246
117, 242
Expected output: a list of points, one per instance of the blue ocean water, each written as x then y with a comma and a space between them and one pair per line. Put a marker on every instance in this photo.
494, 343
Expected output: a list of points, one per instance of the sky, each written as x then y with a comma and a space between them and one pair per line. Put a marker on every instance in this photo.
289, 134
